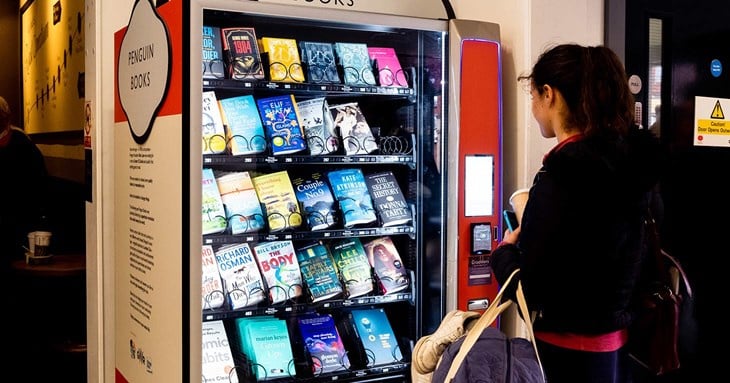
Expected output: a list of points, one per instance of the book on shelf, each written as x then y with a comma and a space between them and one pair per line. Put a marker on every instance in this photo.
319, 272
323, 343
280, 117
353, 266
316, 199
266, 343
387, 264
278, 262
243, 209
388, 199
319, 58
318, 125
213, 293
351, 192
376, 335
214, 134
213, 65
285, 65
355, 62
276, 192
353, 129
388, 68
242, 53
218, 363
238, 268
245, 132
214, 214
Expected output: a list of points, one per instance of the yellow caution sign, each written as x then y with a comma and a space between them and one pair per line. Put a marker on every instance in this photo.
717, 111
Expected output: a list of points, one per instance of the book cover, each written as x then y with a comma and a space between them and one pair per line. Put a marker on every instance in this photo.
245, 132
242, 53
351, 193
388, 199
267, 344
377, 336
243, 209
319, 272
285, 65
239, 270
218, 364
280, 117
319, 128
276, 192
323, 343
214, 134
278, 262
214, 214
316, 199
212, 288
388, 67
213, 66
353, 265
355, 62
319, 58
353, 129
387, 265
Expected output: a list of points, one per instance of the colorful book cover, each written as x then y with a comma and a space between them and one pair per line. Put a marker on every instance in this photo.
242, 50
387, 265
243, 209
323, 343
355, 62
280, 117
285, 65
316, 199
267, 344
377, 336
388, 67
218, 362
353, 128
212, 288
389, 201
278, 262
351, 193
241, 275
319, 128
276, 192
213, 66
245, 131
320, 62
353, 265
214, 214
319, 272
214, 134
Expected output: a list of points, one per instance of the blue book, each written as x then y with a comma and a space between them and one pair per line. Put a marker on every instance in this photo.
320, 60
213, 65
355, 61
376, 335
351, 192
319, 272
245, 132
316, 199
266, 343
280, 117
323, 343
242, 205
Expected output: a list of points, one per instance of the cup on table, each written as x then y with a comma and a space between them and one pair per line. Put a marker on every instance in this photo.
518, 200
42, 243
31, 242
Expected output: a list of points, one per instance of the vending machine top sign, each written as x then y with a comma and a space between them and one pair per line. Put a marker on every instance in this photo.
431, 9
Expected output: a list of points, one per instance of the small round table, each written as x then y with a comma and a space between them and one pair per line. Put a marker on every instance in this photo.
62, 265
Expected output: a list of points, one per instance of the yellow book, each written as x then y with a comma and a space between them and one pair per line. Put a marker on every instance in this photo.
276, 192
285, 64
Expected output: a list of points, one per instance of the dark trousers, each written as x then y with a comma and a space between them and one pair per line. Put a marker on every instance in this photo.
564, 365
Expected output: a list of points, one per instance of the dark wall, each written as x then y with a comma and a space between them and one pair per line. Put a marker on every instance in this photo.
10, 75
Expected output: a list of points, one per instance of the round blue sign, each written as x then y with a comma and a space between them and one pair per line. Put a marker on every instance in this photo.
716, 68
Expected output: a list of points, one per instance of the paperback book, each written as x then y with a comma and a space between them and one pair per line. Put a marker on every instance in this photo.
316, 199
280, 117
243, 209
319, 128
351, 193
240, 273
214, 214
319, 272
218, 362
245, 131
376, 335
212, 289
355, 62
275, 191
387, 264
285, 65
213, 66
319, 58
278, 262
389, 201
353, 129
214, 134
388, 67
323, 343
242, 51
353, 266
266, 343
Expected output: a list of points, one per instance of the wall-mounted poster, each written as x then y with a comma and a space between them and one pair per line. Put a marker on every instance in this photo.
53, 66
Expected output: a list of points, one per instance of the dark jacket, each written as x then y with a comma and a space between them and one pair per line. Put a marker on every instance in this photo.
579, 248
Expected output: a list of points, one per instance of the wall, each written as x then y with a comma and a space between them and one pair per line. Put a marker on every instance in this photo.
10, 64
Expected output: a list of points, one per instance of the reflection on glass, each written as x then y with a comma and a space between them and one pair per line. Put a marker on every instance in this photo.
655, 75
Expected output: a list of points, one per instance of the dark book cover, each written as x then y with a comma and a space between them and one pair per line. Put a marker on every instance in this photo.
323, 343
316, 199
320, 62
280, 117
387, 264
319, 272
353, 266
351, 192
376, 335
388, 199
242, 53
213, 64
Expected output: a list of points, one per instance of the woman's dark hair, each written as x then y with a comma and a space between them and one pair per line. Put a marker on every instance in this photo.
593, 83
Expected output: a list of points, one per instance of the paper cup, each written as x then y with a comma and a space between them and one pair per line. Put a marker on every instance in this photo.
31, 242
518, 200
42, 243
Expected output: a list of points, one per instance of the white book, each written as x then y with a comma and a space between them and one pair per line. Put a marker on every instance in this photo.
212, 287
214, 214
214, 134
218, 363
278, 262
240, 273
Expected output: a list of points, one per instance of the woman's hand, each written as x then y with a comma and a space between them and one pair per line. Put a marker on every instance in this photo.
511, 236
